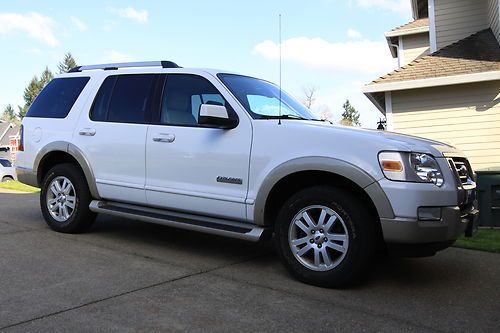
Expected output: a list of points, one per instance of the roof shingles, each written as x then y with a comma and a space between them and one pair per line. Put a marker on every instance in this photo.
420, 23
477, 53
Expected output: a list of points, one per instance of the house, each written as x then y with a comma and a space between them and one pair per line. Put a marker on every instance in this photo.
448, 85
8, 131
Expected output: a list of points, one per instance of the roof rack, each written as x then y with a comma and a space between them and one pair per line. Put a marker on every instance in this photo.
162, 63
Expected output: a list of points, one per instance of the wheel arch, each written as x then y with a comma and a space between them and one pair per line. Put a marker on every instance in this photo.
297, 174
61, 152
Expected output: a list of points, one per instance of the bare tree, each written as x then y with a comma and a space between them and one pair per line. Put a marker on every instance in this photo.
309, 95
324, 112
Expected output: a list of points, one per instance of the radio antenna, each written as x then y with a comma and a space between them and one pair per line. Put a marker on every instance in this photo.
279, 118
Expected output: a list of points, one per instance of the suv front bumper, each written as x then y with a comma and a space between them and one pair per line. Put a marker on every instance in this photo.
453, 223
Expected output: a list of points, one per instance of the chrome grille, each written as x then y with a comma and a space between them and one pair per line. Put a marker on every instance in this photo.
462, 170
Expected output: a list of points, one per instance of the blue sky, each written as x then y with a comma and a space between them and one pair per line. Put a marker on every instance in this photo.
334, 45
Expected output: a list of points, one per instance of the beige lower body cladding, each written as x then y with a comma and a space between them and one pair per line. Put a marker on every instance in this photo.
466, 116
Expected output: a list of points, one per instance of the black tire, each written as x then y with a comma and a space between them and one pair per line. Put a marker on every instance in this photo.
81, 217
7, 179
358, 224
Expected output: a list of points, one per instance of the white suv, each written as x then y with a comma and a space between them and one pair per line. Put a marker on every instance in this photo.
7, 171
231, 155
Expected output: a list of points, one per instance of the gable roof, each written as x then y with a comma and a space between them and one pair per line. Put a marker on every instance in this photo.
476, 54
6, 130
413, 27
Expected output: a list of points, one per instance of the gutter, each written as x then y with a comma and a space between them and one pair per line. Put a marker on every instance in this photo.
431, 82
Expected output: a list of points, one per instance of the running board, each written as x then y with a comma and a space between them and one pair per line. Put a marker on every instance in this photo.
204, 224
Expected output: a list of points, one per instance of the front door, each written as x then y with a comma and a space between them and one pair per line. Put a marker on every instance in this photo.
191, 167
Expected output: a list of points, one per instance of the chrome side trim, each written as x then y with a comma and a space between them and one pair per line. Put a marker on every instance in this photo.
209, 225
120, 184
202, 195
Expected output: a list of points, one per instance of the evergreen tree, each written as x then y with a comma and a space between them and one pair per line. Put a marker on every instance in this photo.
350, 116
46, 76
37, 84
32, 90
9, 114
68, 63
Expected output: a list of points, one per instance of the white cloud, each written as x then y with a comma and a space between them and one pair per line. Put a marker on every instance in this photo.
351, 33
34, 51
398, 6
363, 56
34, 24
78, 23
115, 56
140, 16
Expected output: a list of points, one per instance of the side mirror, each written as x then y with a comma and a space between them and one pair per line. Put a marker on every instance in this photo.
216, 116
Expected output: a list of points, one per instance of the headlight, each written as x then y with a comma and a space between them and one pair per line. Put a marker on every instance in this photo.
411, 167
426, 168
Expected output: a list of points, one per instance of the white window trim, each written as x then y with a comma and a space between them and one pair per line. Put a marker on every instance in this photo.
388, 111
400, 52
432, 27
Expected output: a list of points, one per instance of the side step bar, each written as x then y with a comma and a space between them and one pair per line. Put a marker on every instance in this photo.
209, 225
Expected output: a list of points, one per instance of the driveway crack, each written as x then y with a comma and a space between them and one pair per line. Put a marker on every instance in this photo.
187, 276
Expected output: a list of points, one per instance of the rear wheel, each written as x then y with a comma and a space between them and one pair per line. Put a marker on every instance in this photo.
7, 179
65, 199
325, 236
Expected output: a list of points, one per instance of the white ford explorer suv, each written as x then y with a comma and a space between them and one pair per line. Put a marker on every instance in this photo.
221, 153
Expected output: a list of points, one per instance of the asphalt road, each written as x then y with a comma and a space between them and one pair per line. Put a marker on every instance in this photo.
130, 276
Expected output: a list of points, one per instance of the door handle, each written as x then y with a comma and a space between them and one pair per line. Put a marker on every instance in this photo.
168, 138
87, 132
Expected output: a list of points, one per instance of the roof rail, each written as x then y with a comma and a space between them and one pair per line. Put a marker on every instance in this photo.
162, 63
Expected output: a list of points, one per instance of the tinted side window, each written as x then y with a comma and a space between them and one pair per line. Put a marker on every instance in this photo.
5, 163
99, 110
57, 98
182, 97
131, 98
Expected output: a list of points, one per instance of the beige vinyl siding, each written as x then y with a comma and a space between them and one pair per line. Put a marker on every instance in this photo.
414, 46
466, 116
493, 17
457, 19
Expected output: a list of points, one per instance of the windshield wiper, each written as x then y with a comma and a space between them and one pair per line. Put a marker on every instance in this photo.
284, 116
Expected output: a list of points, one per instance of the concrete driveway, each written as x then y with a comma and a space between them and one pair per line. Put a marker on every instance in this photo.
130, 276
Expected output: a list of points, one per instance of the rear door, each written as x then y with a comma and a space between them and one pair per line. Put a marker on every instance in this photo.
112, 136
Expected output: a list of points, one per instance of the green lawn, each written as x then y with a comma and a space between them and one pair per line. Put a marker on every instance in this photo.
15, 185
485, 240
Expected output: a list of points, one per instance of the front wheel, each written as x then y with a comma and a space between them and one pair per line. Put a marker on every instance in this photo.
65, 199
325, 236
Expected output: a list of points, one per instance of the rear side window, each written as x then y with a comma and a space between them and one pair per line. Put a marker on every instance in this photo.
124, 99
57, 98
5, 163
99, 110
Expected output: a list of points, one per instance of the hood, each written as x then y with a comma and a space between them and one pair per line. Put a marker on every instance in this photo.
383, 139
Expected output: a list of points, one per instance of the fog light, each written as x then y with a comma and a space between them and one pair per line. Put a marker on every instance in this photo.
429, 213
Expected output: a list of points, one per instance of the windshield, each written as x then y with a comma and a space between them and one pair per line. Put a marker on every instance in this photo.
262, 99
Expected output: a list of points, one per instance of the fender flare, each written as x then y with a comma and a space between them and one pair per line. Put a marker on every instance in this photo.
74, 152
342, 168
